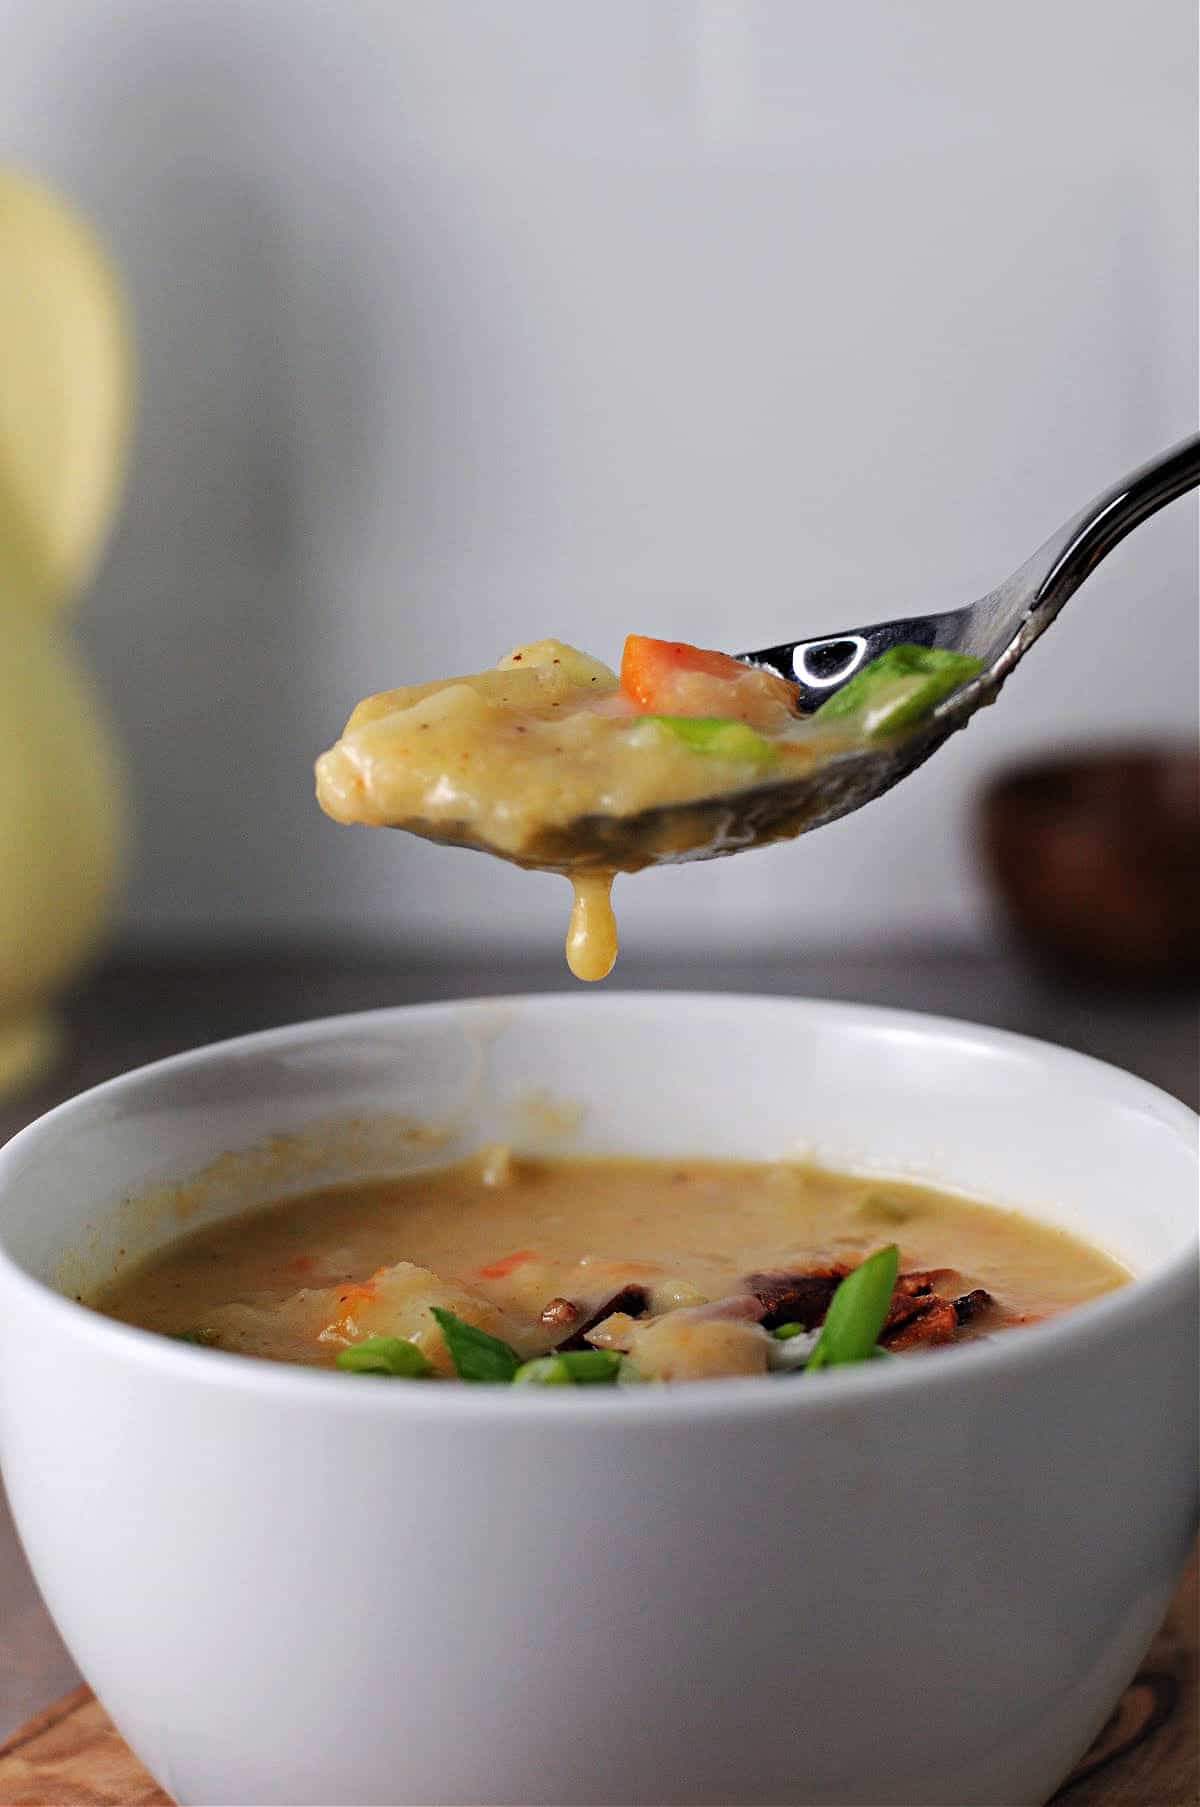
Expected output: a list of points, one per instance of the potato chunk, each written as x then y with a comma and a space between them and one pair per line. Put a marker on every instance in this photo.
395, 1301
675, 1347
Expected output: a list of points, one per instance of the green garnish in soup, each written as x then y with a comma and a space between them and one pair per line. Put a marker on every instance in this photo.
393, 1355
573, 1368
475, 1354
857, 1312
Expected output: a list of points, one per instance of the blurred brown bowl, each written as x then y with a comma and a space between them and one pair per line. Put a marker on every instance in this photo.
1095, 857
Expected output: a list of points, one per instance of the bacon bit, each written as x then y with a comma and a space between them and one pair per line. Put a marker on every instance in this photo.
973, 1305
936, 1321
795, 1298
632, 1300
981, 1309
560, 1314
913, 1286
507, 1264
918, 1313
912, 1296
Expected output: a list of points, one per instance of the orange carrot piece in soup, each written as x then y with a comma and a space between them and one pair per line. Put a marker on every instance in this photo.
354, 1294
507, 1264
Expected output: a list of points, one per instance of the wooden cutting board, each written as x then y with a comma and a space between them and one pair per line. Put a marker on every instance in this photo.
1148, 1754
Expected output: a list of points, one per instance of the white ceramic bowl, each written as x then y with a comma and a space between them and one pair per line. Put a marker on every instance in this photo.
924, 1583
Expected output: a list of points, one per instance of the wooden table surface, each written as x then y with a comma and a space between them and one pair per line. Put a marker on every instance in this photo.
137, 1008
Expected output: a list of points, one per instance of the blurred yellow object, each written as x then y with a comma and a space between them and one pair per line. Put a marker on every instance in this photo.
65, 387
65, 383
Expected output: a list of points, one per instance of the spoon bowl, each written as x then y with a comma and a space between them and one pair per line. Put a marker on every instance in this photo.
711, 827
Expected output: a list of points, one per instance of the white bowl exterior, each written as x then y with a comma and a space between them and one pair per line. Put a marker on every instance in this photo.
925, 1586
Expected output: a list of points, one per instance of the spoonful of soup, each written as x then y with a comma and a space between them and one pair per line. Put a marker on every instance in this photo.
555, 762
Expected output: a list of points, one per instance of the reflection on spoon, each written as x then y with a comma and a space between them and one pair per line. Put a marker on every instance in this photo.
592, 936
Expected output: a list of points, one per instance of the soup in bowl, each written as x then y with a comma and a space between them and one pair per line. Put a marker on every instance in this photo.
923, 1579
515, 1269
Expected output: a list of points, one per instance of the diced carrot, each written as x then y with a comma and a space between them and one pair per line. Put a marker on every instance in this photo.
359, 1293
507, 1264
648, 667
669, 677
302, 1264
350, 1300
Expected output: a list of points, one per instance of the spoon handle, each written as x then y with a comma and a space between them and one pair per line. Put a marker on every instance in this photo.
1057, 569
1001, 626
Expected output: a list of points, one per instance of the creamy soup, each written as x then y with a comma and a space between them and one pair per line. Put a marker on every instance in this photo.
606, 1270
554, 762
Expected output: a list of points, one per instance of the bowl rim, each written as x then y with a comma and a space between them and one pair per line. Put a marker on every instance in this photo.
733, 1398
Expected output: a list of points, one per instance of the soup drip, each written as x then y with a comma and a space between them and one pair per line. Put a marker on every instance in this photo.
592, 935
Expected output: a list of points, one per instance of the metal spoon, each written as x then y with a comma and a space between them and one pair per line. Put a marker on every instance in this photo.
999, 628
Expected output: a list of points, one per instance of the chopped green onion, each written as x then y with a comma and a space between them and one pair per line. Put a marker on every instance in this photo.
570, 1368
899, 687
716, 735
475, 1354
204, 1339
384, 1355
857, 1312
785, 1332
546, 1371
591, 1367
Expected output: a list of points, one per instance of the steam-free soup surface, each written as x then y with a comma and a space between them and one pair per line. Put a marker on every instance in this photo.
683, 1267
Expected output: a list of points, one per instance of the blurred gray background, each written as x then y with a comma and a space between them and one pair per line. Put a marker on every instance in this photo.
463, 322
